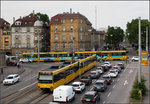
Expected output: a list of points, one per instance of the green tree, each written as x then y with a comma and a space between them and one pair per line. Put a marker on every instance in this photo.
132, 31
43, 17
114, 36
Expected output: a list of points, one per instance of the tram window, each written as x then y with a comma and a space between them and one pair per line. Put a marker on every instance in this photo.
119, 54
59, 76
105, 54
123, 53
51, 55
42, 55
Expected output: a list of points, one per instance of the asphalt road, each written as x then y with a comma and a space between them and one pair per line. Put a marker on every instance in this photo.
26, 89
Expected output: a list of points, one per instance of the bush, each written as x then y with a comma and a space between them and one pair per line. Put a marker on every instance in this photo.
135, 94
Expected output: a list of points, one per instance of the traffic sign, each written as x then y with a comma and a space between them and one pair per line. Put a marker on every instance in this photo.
144, 58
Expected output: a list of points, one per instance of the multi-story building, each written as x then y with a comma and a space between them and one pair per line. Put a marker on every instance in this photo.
25, 34
70, 32
5, 36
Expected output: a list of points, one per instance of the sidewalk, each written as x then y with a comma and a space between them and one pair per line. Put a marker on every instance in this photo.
10, 70
145, 72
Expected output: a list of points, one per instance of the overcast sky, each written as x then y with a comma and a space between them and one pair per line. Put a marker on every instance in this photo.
112, 13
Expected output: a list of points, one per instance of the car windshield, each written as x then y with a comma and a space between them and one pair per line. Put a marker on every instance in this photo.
88, 96
112, 71
115, 67
98, 84
9, 77
106, 77
84, 77
66, 62
75, 85
54, 67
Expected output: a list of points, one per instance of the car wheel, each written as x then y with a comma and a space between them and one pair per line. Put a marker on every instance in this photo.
13, 82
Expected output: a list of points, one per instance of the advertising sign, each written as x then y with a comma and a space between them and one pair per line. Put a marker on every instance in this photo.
144, 58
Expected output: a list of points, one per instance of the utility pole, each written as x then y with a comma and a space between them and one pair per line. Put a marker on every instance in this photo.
38, 47
139, 73
73, 45
147, 38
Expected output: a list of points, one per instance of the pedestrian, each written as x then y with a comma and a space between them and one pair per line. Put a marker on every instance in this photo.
2, 70
18, 65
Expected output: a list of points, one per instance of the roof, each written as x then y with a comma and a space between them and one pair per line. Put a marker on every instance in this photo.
12, 75
3, 23
63, 87
100, 80
67, 15
90, 92
76, 83
26, 21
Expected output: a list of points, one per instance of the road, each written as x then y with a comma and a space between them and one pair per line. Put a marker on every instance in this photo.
26, 90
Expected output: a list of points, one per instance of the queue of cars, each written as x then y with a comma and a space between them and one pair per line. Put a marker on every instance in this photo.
100, 84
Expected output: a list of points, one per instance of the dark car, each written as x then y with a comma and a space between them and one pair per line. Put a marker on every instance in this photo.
121, 65
105, 68
100, 85
108, 79
86, 79
94, 74
91, 97
48, 60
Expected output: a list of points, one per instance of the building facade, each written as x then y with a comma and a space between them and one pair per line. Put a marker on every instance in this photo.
69, 32
5, 36
25, 34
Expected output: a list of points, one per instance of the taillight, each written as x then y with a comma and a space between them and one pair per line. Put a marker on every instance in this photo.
93, 100
52, 98
102, 86
95, 75
82, 99
66, 98
89, 75
78, 88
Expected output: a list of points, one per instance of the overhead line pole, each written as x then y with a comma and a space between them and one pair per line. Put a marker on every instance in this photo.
147, 39
139, 73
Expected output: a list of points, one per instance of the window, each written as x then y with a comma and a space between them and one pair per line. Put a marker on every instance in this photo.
63, 36
71, 45
56, 36
8, 33
56, 28
64, 28
71, 36
56, 20
28, 37
71, 28
71, 20
64, 21
28, 29
4, 32
81, 28
80, 45
28, 45
35, 30
16, 45
56, 46
6, 40
81, 36
16, 37
81, 21
63, 45
6, 46
25, 22
39, 30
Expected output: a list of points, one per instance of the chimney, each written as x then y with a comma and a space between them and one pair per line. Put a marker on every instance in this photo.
20, 17
13, 19
70, 10
33, 12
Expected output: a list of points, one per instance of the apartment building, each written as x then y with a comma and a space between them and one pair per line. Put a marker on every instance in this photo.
70, 32
5, 36
26, 31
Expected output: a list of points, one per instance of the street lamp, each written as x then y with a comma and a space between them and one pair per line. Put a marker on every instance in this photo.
38, 24
91, 30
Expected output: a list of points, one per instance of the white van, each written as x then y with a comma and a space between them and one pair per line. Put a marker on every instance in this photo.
63, 93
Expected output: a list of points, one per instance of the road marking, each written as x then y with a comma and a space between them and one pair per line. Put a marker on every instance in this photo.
125, 82
27, 86
31, 78
91, 89
114, 86
118, 79
130, 71
109, 94
93, 81
103, 102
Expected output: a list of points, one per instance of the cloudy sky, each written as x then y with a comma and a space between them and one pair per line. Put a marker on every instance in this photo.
100, 13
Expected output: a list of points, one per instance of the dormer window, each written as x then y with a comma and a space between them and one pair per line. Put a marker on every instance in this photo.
25, 22
56, 20
18, 23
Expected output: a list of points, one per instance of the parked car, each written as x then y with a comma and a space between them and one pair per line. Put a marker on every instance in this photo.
94, 74
63, 93
107, 64
86, 79
48, 60
121, 65
11, 79
100, 85
107, 78
100, 70
78, 86
135, 58
117, 67
113, 73
91, 97
22, 60
105, 67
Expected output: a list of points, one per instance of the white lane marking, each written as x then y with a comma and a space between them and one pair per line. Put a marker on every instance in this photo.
118, 79
130, 71
27, 86
125, 82
31, 78
103, 102
109, 94
91, 89
93, 81
114, 86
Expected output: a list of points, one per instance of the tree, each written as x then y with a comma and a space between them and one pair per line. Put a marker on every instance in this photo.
132, 31
43, 17
114, 36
